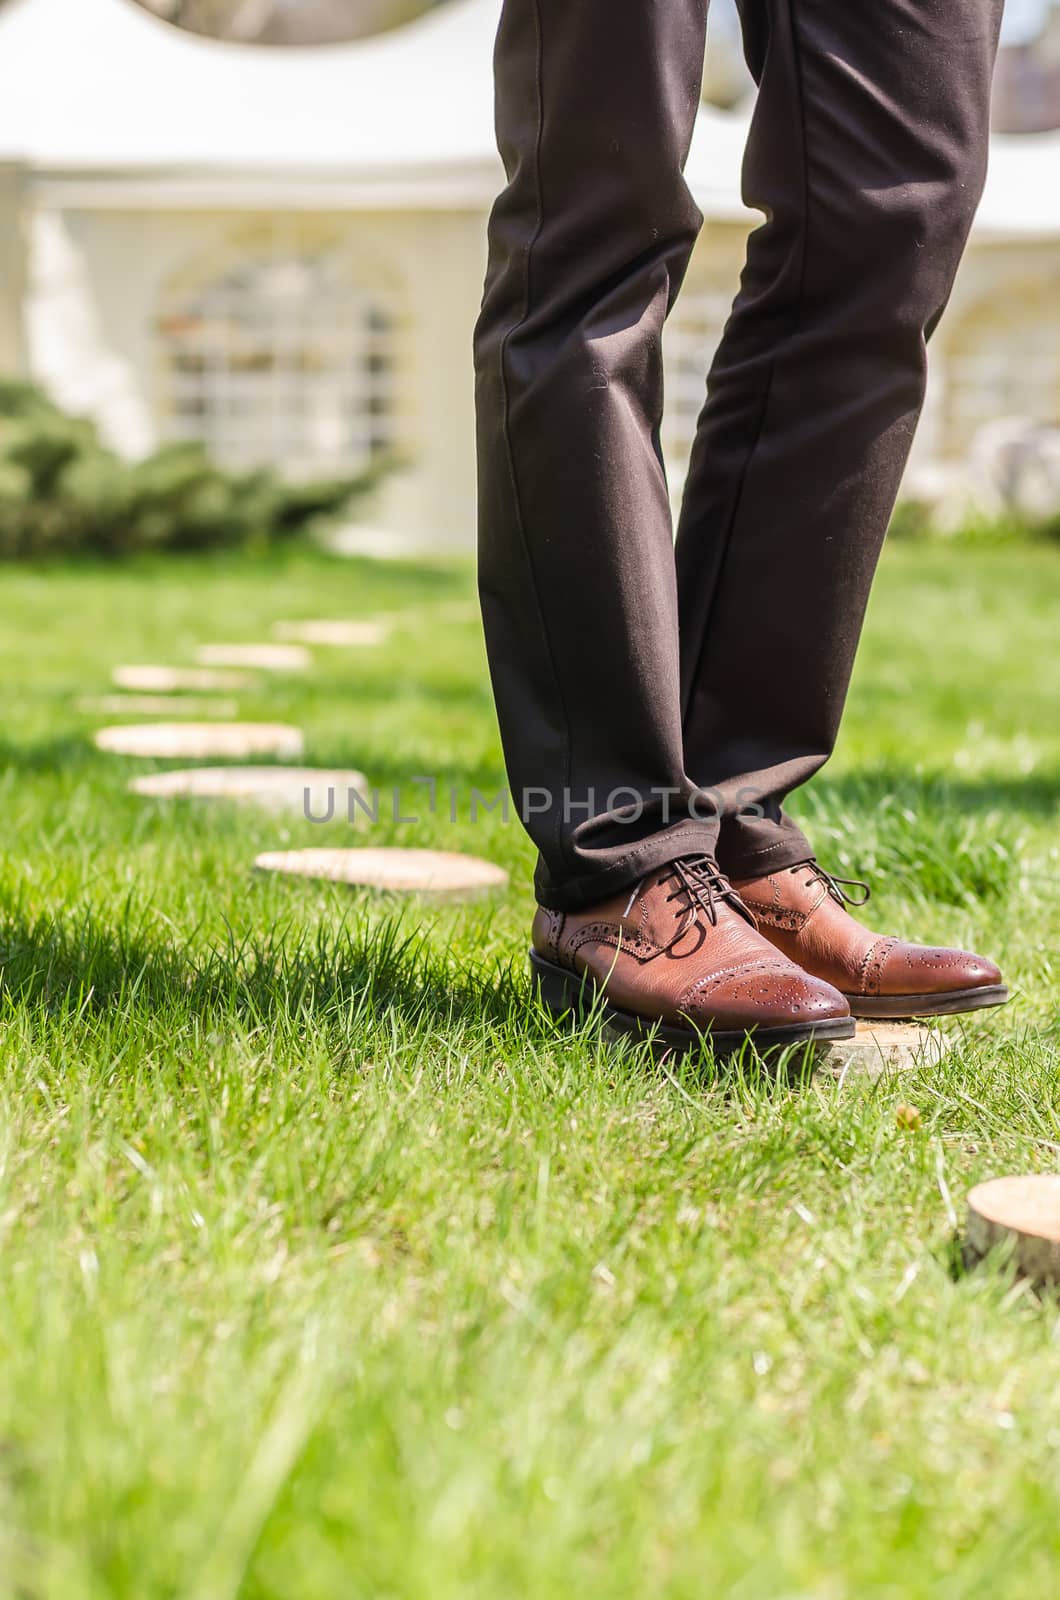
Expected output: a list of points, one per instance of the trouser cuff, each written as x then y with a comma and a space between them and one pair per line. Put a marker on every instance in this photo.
616, 872
754, 858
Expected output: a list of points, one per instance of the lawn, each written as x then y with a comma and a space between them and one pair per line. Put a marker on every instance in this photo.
329, 1267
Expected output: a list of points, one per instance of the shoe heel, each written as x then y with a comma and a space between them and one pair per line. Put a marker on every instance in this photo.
561, 992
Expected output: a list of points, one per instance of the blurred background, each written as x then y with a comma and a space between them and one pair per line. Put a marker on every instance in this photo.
257, 226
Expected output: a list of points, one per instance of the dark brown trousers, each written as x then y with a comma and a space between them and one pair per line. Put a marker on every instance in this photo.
651, 707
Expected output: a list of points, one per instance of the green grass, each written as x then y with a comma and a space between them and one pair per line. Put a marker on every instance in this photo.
329, 1267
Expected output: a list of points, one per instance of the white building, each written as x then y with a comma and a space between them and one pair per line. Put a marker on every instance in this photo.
281, 251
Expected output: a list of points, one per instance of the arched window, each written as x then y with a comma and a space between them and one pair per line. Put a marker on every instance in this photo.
690, 339
1002, 359
280, 359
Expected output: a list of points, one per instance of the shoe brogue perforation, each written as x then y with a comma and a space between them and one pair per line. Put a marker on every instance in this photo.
870, 971
637, 945
776, 916
745, 970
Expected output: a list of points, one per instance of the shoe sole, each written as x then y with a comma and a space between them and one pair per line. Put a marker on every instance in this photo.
907, 1007
566, 993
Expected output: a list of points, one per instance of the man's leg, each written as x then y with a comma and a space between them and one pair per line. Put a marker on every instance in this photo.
867, 155
596, 100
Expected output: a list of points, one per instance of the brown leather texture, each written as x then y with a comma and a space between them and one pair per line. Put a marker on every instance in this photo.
800, 915
665, 954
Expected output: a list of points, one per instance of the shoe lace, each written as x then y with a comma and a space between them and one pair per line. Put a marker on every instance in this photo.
699, 886
839, 888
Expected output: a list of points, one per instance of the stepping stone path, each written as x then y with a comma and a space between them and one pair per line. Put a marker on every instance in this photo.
263, 657
174, 680
438, 873
336, 632
150, 705
1022, 1213
192, 740
278, 788
878, 1048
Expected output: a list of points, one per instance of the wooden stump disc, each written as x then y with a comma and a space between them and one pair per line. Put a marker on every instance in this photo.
264, 657
334, 632
1024, 1213
201, 739
439, 873
173, 680
881, 1047
157, 705
278, 788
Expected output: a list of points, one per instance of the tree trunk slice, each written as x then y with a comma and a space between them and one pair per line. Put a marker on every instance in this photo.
1022, 1215
879, 1048
277, 788
172, 680
438, 873
263, 657
343, 634
200, 740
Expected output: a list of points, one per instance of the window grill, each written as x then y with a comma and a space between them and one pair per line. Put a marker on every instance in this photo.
280, 360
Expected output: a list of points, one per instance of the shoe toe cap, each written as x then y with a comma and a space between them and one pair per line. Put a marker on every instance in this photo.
925, 969
764, 994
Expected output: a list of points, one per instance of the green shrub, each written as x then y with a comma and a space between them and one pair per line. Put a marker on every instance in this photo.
916, 520
63, 492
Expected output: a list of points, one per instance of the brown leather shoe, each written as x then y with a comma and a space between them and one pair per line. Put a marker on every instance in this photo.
802, 910
680, 957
